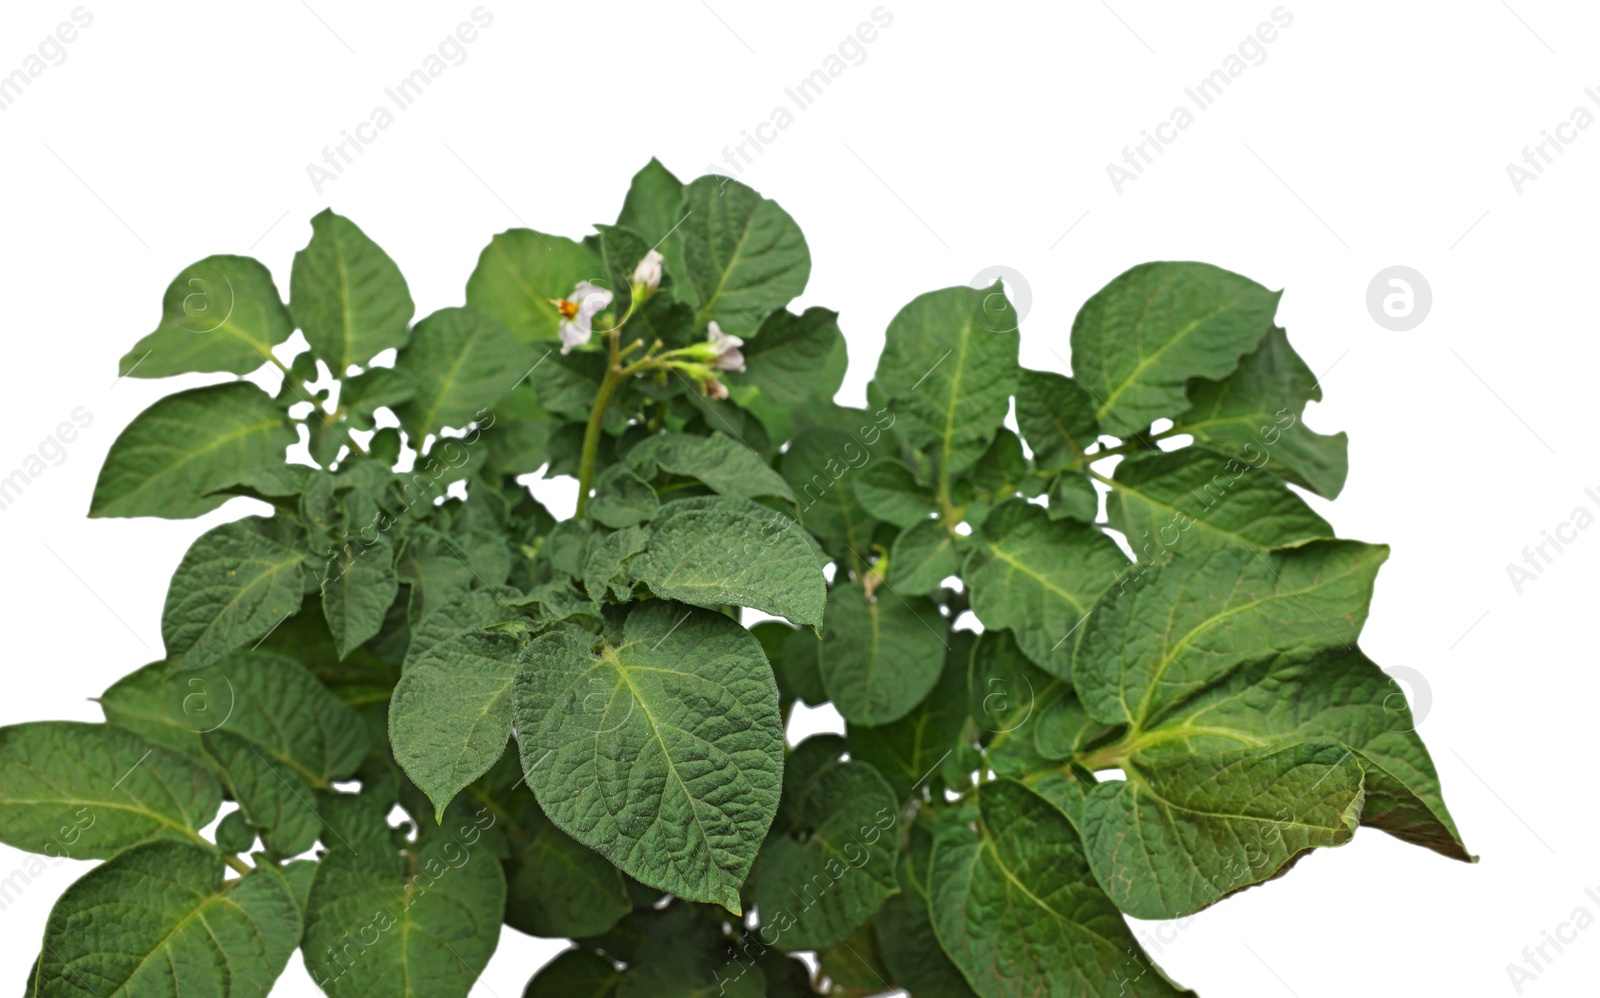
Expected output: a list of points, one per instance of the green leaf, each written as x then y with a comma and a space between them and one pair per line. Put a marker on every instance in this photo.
89, 791
888, 489
380, 921
880, 657
830, 876
1186, 830
176, 455
1177, 628
575, 973
605, 563
1017, 909
463, 362
1195, 500
1139, 340
520, 271
160, 920
1057, 418
467, 611
347, 295
220, 314
1338, 694
793, 654
822, 466
742, 254
450, 715
1073, 496
1255, 414
235, 583
358, 587
622, 498
1039, 577
949, 364
791, 356
923, 556
725, 465
905, 930
720, 550
653, 205
908, 752
663, 751
560, 887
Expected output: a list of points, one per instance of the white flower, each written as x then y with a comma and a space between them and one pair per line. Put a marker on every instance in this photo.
648, 273
728, 356
578, 312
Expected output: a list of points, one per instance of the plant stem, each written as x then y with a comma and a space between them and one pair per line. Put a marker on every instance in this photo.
591, 433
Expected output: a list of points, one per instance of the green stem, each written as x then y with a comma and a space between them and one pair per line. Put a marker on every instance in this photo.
591, 434
238, 864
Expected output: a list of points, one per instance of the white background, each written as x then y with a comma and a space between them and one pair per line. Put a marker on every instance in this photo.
972, 136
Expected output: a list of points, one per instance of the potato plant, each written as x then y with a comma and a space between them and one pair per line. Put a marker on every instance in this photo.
429, 707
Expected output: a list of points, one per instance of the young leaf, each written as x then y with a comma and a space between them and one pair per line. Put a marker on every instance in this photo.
1176, 628
1018, 910
89, 791
220, 314
235, 583
1039, 577
1195, 500
829, 876
160, 920
720, 550
175, 456
1255, 413
1139, 340
520, 271
949, 363
743, 255
347, 295
1185, 830
1057, 418
880, 657
462, 362
663, 751
451, 714
379, 921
